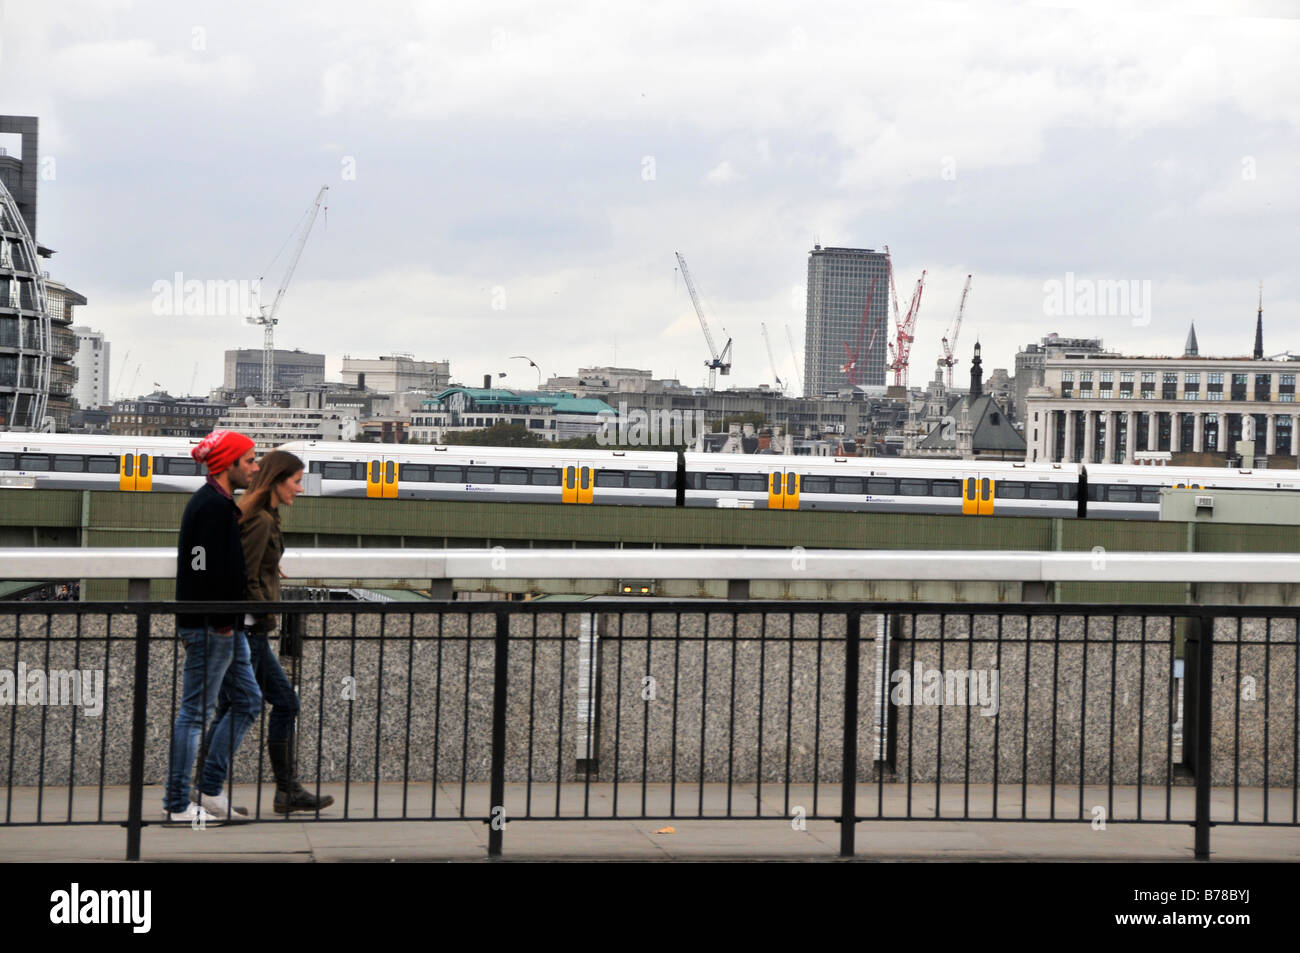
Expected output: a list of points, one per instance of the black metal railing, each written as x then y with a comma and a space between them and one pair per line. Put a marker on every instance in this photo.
660, 710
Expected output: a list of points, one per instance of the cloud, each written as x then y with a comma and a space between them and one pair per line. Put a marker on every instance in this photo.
721, 174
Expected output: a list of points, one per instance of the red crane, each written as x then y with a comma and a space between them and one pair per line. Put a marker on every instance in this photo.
900, 350
851, 365
950, 339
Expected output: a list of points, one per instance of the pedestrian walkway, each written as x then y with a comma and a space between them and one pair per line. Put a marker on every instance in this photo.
777, 835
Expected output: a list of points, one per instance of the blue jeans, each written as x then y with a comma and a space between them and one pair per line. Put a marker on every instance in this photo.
277, 691
211, 662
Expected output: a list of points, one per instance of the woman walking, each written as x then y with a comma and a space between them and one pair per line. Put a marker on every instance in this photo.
278, 481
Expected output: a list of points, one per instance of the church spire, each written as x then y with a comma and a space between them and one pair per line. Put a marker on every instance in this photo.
1190, 349
1259, 326
976, 375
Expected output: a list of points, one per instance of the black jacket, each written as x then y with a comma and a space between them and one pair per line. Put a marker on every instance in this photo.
210, 557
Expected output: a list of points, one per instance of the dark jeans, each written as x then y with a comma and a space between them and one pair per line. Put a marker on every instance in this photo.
276, 689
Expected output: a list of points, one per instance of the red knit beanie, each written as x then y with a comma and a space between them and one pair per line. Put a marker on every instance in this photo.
220, 449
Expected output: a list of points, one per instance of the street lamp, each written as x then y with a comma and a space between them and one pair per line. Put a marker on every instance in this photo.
531, 363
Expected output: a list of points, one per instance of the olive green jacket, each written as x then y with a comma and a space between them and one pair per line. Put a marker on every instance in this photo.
263, 547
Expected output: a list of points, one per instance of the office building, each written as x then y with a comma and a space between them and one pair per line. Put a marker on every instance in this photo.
1104, 408
396, 374
161, 415
268, 427
842, 348
92, 364
1030, 361
293, 369
36, 344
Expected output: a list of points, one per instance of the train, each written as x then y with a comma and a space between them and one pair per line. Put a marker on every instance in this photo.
638, 478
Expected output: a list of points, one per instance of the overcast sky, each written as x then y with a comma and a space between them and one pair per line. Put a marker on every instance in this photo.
513, 178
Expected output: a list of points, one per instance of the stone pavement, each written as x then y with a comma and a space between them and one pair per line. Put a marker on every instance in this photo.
333, 838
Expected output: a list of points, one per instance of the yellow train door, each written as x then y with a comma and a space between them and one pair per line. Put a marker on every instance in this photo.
791, 491
382, 476
578, 485
978, 493
135, 472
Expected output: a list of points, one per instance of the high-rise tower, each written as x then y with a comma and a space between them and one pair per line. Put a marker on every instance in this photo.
839, 280
36, 345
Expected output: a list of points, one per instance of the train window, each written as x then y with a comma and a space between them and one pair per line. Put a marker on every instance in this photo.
175, 466
545, 476
614, 478
335, 471
128, 464
1012, 490
719, 481
482, 475
1150, 494
34, 461
1096, 493
951, 488
751, 482
514, 476
1041, 491
1119, 493
448, 474
814, 484
882, 486
6, 461
691, 480
848, 484
67, 463
109, 464
1069, 491
415, 473
145, 460
915, 487
642, 480
570, 476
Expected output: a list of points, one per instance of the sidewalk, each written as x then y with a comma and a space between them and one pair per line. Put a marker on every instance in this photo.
302, 838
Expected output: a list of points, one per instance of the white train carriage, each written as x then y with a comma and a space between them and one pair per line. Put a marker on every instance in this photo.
498, 474
1127, 492
76, 462
881, 485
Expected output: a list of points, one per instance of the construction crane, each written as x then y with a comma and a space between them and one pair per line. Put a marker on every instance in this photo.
719, 362
771, 358
950, 339
117, 391
794, 358
851, 365
900, 349
267, 319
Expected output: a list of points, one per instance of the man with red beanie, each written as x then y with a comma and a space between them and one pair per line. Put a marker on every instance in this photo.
210, 568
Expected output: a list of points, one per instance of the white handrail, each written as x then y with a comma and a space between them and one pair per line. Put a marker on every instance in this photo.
45, 563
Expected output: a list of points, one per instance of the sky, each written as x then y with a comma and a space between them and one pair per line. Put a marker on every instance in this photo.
514, 178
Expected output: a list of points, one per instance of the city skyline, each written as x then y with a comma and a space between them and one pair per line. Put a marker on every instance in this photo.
504, 175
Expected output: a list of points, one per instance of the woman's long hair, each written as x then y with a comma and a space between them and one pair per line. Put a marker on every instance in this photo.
276, 467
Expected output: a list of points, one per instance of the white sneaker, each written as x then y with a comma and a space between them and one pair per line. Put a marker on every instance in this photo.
219, 807
192, 814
